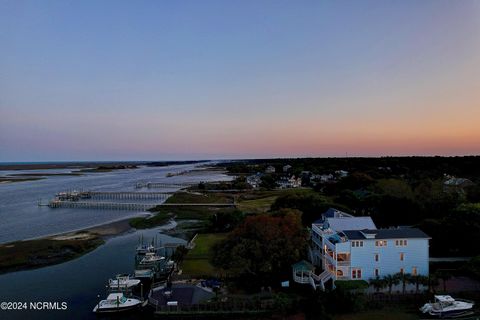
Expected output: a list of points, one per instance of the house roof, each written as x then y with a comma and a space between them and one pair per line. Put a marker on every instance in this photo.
303, 265
333, 213
392, 233
350, 223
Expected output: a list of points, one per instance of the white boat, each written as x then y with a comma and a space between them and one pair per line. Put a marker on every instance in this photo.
151, 258
145, 248
123, 282
117, 302
445, 306
144, 273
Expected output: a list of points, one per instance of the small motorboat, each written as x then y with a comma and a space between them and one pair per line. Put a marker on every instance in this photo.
122, 281
117, 302
445, 306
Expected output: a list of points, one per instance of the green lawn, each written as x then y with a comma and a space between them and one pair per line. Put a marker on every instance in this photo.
197, 261
188, 197
257, 205
261, 201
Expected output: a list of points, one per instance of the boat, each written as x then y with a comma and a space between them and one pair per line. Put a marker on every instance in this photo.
445, 306
123, 281
117, 302
151, 259
144, 273
145, 248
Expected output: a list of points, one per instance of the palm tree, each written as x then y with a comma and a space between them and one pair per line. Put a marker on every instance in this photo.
391, 280
419, 280
404, 278
432, 282
444, 275
378, 283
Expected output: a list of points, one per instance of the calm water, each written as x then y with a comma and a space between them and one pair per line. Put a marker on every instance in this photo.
21, 218
76, 282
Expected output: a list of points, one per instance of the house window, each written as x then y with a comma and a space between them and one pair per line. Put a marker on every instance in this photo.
356, 273
376, 272
414, 271
401, 243
402, 271
357, 243
381, 243
376, 257
402, 256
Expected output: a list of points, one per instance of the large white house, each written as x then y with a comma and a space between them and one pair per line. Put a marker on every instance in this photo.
352, 248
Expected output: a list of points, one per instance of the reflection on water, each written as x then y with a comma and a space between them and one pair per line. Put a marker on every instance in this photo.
22, 218
77, 282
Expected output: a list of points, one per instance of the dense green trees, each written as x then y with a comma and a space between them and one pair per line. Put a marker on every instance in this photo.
311, 205
263, 247
226, 220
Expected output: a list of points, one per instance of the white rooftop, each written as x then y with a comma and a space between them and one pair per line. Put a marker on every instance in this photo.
350, 223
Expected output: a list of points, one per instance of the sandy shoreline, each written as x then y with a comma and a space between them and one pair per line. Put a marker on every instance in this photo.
109, 229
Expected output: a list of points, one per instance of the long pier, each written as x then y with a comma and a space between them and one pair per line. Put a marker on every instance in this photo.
162, 185
113, 195
101, 205
128, 195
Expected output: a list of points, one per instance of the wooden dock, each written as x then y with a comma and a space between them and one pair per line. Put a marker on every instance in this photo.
101, 205
162, 196
162, 185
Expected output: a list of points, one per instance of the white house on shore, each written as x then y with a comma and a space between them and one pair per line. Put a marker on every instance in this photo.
352, 248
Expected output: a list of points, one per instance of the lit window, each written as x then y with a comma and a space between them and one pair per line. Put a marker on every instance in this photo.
414, 271
402, 256
381, 243
401, 243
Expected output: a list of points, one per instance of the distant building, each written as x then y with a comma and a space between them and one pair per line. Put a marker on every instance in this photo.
255, 180
322, 178
452, 183
352, 248
287, 168
341, 173
270, 169
292, 182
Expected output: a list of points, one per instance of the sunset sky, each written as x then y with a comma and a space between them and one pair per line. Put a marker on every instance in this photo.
160, 80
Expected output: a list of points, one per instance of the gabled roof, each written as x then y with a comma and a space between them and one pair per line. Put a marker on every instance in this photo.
392, 233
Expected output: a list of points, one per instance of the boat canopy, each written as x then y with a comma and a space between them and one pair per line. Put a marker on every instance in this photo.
114, 296
444, 298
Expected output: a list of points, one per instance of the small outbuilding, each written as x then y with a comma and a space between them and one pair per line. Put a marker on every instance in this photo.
302, 272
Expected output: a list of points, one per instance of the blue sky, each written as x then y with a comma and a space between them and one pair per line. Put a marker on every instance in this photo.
113, 80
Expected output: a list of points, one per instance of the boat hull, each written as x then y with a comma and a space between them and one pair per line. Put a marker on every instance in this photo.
116, 309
